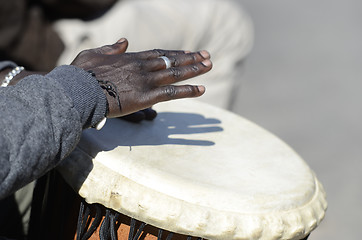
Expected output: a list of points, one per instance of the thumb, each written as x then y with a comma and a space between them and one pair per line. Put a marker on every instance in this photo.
117, 48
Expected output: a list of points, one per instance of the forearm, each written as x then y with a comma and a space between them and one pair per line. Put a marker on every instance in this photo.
42, 116
41, 123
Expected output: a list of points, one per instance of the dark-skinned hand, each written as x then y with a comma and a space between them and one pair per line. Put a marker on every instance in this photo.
136, 117
137, 81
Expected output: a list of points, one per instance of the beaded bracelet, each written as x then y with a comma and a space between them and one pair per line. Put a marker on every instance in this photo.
100, 124
11, 75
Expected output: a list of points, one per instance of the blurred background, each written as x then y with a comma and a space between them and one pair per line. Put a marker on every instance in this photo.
302, 81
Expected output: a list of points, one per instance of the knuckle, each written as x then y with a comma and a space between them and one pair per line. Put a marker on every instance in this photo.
176, 73
195, 68
136, 65
147, 79
194, 57
170, 91
104, 49
83, 53
107, 47
174, 62
159, 52
193, 90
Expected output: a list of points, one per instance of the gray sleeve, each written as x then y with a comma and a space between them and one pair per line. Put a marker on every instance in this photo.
41, 120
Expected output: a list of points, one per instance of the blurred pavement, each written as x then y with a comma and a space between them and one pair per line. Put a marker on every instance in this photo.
302, 82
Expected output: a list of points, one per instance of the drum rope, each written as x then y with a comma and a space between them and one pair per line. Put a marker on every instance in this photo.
132, 229
159, 236
97, 220
114, 227
83, 221
80, 221
84, 211
169, 236
105, 226
110, 224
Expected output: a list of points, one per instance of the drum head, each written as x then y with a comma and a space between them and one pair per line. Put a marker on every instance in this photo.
201, 171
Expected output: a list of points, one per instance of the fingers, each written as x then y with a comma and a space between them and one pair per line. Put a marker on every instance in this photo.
176, 74
171, 92
117, 48
163, 62
150, 114
177, 60
135, 117
152, 54
146, 114
174, 60
140, 80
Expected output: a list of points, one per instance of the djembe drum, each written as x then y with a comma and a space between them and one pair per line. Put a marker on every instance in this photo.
195, 170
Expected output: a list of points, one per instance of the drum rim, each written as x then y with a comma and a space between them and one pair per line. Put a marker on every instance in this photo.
287, 224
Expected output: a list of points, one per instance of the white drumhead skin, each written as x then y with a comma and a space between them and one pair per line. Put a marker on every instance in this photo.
198, 170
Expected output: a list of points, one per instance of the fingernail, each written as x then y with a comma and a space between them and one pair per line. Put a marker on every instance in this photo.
206, 63
201, 89
205, 54
121, 40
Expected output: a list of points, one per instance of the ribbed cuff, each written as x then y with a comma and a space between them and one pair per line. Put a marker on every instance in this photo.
83, 88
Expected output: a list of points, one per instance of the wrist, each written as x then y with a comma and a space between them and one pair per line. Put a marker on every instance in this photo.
88, 97
10, 76
22, 75
4, 72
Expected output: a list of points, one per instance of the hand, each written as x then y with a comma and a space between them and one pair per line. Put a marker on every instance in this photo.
136, 81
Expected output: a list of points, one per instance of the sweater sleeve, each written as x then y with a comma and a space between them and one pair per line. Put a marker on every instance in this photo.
41, 120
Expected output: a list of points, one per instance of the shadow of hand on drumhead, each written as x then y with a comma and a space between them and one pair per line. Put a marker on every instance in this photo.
168, 128
187, 124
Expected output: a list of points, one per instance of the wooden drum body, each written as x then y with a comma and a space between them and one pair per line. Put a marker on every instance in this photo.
201, 171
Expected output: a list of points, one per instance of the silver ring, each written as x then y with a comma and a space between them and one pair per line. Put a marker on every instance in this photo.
167, 61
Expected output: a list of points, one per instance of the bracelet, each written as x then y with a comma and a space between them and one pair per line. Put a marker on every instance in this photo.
99, 125
11, 75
